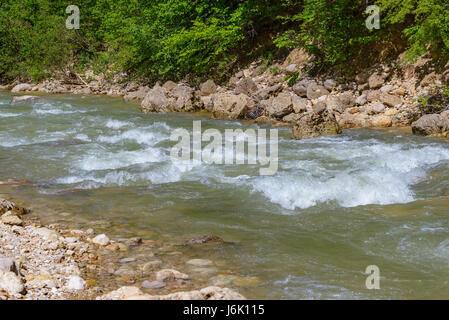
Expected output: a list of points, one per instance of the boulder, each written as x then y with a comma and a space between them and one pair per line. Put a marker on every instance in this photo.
299, 104
292, 117
320, 122
280, 106
375, 108
246, 86
362, 77
430, 124
207, 88
22, 87
381, 121
138, 95
11, 220
183, 98
19, 99
376, 81
230, 106
314, 91
390, 100
300, 88
254, 113
265, 93
156, 100
330, 84
169, 85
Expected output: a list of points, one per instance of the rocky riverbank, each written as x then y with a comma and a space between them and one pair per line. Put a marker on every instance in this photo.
391, 94
50, 262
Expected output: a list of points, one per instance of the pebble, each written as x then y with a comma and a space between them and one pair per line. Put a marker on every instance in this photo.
76, 283
101, 240
157, 284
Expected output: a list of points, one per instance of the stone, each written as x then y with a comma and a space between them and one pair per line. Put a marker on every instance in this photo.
157, 284
246, 86
299, 104
292, 117
11, 283
138, 95
11, 220
372, 95
381, 121
265, 93
375, 81
280, 105
121, 293
314, 91
169, 85
19, 99
430, 124
46, 233
22, 87
317, 123
334, 104
76, 283
6, 205
291, 69
8, 265
170, 274
41, 281
200, 262
207, 88
205, 239
150, 265
361, 100
156, 101
300, 88
330, 84
390, 100
362, 77
254, 113
375, 108
101, 240
229, 106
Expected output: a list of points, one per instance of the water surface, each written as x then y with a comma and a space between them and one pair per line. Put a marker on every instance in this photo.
336, 205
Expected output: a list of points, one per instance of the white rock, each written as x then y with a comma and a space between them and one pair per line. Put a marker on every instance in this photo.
21, 87
11, 283
75, 283
101, 240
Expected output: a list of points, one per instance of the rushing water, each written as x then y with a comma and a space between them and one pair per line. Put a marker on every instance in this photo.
336, 205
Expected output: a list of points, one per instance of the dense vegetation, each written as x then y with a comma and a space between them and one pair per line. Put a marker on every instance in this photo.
177, 38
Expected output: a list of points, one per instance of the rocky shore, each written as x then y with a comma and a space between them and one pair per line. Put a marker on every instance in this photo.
391, 94
50, 262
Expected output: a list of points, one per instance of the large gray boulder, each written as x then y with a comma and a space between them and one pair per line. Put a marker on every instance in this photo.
430, 124
320, 122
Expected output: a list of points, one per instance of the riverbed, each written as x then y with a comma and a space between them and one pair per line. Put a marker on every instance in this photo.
335, 206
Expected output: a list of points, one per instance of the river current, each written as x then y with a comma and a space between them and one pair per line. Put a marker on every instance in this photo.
335, 206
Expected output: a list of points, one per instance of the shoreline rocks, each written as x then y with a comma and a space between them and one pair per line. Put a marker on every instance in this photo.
42, 263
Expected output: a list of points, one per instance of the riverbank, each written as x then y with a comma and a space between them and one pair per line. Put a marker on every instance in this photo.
391, 94
50, 262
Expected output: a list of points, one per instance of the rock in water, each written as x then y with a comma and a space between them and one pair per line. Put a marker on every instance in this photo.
430, 124
101, 240
19, 99
320, 122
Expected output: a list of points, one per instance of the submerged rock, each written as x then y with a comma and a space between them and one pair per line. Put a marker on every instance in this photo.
19, 99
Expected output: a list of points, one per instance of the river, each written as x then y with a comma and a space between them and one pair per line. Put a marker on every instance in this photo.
335, 206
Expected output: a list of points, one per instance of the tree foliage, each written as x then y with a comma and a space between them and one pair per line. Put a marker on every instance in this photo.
174, 38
